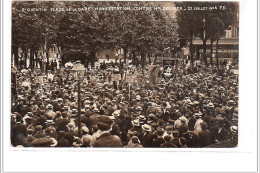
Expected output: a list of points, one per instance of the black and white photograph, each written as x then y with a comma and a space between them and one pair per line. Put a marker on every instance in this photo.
124, 74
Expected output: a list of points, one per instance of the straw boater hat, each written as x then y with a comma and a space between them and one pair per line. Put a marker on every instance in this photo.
146, 128
49, 106
211, 105
233, 129
198, 114
139, 108
136, 122
142, 118
74, 112
49, 122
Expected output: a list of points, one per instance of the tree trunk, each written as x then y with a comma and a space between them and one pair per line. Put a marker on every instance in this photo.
31, 58
191, 51
48, 59
25, 52
92, 58
36, 58
211, 51
149, 57
217, 53
125, 51
15, 53
134, 58
155, 58
142, 61
205, 51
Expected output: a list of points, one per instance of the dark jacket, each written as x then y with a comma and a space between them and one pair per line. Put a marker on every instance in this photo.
157, 142
27, 142
182, 129
192, 139
18, 133
108, 140
63, 143
39, 135
204, 138
147, 140
168, 145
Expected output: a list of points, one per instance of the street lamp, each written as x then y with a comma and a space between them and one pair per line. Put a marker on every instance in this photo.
183, 50
78, 74
204, 24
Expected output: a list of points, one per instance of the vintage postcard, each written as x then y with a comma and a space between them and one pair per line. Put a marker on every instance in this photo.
124, 74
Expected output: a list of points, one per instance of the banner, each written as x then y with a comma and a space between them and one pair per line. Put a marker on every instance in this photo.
153, 74
38, 79
167, 69
115, 77
129, 79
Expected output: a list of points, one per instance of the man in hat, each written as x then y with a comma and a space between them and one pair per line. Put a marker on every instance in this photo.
18, 132
62, 142
199, 121
50, 114
27, 142
191, 138
106, 139
136, 127
38, 132
58, 105
167, 143
86, 136
147, 138
159, 140
48, 133
50, 124
134, 143
183, 128
69, 135
204, 136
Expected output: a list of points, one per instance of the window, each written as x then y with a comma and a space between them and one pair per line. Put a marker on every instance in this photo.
228, 33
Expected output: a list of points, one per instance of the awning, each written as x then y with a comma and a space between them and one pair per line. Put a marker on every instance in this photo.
225, 41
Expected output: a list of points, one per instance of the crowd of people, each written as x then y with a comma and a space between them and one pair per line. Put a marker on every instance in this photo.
198, 107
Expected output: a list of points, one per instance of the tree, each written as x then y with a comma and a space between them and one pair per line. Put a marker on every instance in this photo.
188, 24
207, 24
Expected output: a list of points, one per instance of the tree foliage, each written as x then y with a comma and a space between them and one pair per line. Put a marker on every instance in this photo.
207, 24
81, 34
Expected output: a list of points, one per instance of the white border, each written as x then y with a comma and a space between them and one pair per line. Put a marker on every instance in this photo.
238, 159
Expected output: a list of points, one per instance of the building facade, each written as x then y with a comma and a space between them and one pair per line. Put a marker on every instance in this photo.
228, 46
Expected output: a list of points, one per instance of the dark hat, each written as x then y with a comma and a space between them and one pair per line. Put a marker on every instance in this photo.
103, 126
105, 119
62, 133
154, 125
160, 132
38, 127
48, 131
135, 139
167, 138
30, 131
183, 140
175, 133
